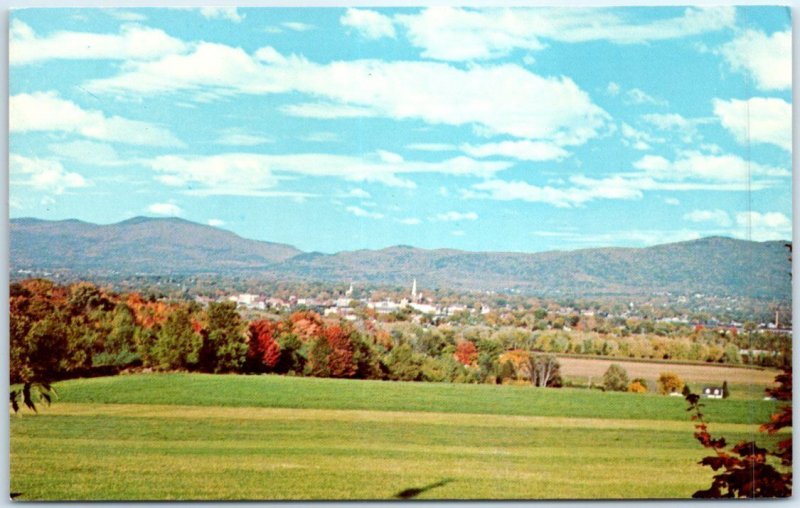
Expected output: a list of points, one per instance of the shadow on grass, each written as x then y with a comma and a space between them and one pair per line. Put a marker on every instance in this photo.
413, 492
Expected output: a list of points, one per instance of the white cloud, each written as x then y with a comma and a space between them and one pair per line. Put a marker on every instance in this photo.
410, 221
764, 226
216, 222
236, 138
757, 120
228, 13
699, 166
639, 237
88, 152
521, 150
455, 216
767, 58
432, 147
133, 42
637, 96
360, 212
244, 173
125, 15
169, 209
43, 174
321, 137
370, 24
325, 110
358, 193
638, 140
45, 111
458, 232
684, 128
672, 201
586, 190
613, 89
522, 104
297, 26
448, 33
718, 217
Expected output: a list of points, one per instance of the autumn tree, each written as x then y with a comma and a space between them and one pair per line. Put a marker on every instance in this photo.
746, 471
466, 352
340, 358
263, 352
669, 382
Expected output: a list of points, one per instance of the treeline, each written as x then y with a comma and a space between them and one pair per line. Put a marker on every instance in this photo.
62, 331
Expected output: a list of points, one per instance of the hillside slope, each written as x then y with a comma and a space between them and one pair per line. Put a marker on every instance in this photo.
716, 265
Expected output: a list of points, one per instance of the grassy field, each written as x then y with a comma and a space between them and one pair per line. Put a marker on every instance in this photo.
182, 436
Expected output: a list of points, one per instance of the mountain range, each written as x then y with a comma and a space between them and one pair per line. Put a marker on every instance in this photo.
713, 265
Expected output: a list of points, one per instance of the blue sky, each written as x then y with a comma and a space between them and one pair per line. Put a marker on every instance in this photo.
337, 129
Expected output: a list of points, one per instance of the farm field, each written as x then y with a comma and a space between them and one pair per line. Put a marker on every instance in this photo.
194, 436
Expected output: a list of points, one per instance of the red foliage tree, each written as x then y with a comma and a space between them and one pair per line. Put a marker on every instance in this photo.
466, 353
340, 359
262, 345
744, 471
306, 325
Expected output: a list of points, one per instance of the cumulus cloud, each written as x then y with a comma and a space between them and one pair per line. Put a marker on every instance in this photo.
43, 174
757, 120
582, 191
360, 212
169, 209
244, 173
765, 58
88, 152
455, 216
523, 104
133, 42
639, 237
718, 217
370, 24
216, 222
449, 33
764, 226
46, 111
638, 96
358, 193
297, 26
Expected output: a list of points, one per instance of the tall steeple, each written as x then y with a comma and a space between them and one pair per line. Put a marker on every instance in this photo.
414, 291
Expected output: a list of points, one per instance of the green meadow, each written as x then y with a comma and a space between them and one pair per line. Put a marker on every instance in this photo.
194, 436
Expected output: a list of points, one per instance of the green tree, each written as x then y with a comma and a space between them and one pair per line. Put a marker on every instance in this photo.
615, 378
224, 343
177, 345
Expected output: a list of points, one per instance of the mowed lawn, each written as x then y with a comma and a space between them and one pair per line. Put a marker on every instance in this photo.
194, 436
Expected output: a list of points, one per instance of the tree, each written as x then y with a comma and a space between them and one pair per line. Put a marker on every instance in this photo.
545, 370
744, 470
340, 358
263, 351
404, 364
466, 352
177, 345
637, 387
615, 379
725, 392
669, 382
224, 343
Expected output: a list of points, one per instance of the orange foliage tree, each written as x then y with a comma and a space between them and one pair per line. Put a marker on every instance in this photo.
263, 351
466, 352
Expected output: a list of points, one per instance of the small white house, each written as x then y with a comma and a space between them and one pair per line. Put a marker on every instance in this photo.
712, 392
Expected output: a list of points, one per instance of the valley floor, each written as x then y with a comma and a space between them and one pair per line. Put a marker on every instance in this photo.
193, 436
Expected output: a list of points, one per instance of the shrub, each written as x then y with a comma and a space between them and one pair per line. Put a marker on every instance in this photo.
637, 387
615, 379
669, 382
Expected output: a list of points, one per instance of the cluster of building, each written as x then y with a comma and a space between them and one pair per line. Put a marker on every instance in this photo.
346, 305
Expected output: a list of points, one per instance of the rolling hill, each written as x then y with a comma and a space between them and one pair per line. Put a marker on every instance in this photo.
717, 265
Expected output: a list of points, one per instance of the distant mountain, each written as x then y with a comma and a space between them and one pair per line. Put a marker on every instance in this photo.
138, 245
714, 265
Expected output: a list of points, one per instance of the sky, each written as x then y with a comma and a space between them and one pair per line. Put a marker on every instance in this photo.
330, 129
